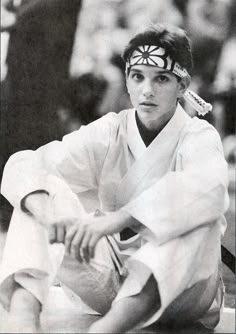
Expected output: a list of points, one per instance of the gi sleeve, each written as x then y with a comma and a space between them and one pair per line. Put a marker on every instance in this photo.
72, 164
193, 195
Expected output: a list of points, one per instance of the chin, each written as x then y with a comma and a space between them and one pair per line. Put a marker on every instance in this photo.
150, 121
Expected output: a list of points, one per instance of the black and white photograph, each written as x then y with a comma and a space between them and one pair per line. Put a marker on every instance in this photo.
117, 157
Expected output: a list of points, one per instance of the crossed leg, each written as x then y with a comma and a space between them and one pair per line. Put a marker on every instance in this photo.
128, 312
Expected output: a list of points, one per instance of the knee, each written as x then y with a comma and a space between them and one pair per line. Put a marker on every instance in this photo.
150, 294
148, 300
23, 301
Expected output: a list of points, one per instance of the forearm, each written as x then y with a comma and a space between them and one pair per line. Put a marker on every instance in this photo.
82, 237
119, 220
178, 204
47, 209
21, 177
30, 171
36, 203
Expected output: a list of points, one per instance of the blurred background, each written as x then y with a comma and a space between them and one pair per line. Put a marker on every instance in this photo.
61, 68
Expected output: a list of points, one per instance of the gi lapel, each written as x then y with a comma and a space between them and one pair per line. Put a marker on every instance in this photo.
152, 161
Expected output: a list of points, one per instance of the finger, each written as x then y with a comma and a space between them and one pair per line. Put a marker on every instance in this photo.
52, 233
76, 243
60, 233
69, 224
85, 246
84, 253
69, 237
92, 244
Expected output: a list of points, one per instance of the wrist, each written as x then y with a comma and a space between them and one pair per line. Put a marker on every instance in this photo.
128, 220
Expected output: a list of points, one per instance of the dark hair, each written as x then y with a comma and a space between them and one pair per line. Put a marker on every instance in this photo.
174, 40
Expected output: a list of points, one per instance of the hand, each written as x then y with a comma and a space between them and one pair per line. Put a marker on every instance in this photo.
82, 238
58, 228
55, 213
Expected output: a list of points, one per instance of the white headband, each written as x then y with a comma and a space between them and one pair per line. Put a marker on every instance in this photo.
153, 55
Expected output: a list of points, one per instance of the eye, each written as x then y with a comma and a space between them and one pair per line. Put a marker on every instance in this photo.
137, 77
162, 78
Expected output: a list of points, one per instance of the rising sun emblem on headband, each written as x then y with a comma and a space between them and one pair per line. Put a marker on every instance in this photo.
154, 55
149, 55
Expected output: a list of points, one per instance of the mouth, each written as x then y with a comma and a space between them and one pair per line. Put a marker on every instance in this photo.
148, 104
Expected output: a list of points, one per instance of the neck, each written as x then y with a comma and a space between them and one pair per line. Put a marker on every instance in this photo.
147, 134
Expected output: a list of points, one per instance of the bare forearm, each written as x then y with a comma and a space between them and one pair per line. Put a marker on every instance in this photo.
82, 238
121, 219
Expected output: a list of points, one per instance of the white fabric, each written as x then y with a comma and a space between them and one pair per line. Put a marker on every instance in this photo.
176, 188
153, 55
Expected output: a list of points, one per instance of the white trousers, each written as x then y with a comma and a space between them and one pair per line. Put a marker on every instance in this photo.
32, 262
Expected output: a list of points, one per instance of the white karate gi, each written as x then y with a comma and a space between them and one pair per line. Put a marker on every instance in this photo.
176, 188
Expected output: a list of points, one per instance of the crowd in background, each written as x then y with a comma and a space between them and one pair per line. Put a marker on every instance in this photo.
61, 65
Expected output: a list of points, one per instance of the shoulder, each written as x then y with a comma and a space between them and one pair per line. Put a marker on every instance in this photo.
99, 131
109, 123
200, 134
200, 127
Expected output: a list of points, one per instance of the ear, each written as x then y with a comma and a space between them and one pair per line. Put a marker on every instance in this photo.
183, 85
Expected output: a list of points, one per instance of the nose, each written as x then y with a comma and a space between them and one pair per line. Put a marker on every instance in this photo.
148, 89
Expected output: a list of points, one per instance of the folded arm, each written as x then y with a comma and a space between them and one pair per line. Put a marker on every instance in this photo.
193, 195
58, 167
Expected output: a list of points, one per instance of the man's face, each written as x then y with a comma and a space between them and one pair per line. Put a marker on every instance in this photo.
154, 92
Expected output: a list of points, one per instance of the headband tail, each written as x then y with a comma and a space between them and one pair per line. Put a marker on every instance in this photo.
201, 106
